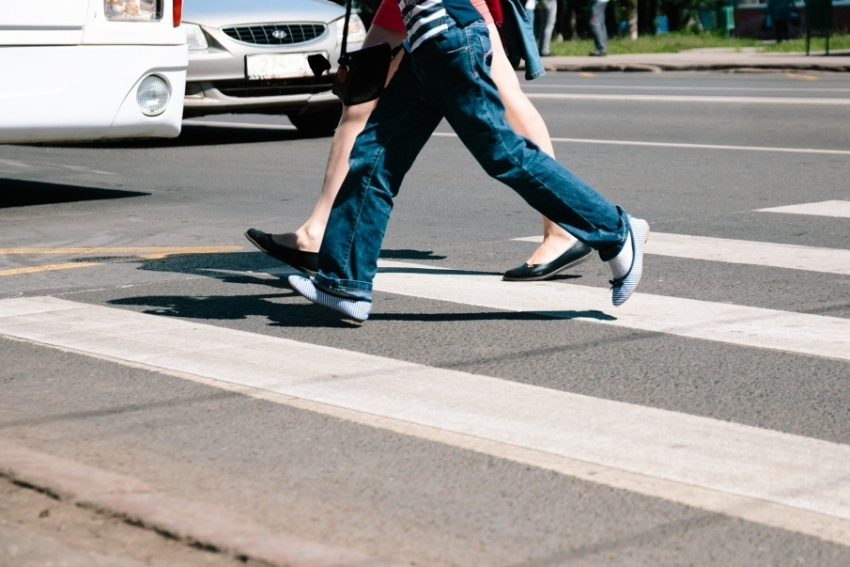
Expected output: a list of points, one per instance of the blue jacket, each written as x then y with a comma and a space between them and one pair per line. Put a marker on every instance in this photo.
519, 37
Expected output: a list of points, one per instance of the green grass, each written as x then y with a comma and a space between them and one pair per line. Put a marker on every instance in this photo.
676, 42
816, 45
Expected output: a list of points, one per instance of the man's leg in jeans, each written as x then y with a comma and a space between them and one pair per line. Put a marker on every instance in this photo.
471, 103
461, 58
397, 130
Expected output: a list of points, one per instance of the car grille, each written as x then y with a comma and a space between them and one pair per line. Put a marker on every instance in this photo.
278, 87
276, 34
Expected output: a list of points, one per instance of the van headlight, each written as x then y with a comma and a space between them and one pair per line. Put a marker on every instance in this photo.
195, 37
153, 95
132, 10
356, 29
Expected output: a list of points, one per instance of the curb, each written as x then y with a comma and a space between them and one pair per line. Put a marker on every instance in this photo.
191, 522
654, 65
713, 67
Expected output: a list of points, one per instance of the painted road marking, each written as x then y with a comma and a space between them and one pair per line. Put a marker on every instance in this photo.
124, 250
839, 209
787, 256
239, 125
696, 99
801, 77
781, 480
686, 146
14, 163
47, 268
84, 169
630, 88
141, 253
584, 141
799, 333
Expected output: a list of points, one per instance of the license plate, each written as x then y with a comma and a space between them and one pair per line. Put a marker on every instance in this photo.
277, 66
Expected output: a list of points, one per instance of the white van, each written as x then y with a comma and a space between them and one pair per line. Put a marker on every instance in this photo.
91, 69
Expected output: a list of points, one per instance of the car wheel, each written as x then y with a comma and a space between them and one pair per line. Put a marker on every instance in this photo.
317, 122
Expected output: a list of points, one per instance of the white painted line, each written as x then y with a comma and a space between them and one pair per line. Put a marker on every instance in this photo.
705, 146
238, 125
782, 480
530, 88
688, 146
582, 141
787, 256
14, 163
838, 209
799, 333
696, 99
84, 169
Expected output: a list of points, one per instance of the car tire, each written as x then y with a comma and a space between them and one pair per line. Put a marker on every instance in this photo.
317, 122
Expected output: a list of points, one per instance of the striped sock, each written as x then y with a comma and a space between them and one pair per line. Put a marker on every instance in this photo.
357, 309
623, 285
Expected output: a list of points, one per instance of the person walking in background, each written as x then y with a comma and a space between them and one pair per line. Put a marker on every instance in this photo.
780, 14
545, 25
559, 250
598, 28
447, 73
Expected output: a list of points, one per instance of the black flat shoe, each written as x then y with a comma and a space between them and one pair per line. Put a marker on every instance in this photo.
305, 262
575, 254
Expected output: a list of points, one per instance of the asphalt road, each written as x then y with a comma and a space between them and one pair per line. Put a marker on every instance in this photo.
155, 228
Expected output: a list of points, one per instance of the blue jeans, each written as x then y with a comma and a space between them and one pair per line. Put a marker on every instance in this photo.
545, 26
518, 28
449, 76
597, 26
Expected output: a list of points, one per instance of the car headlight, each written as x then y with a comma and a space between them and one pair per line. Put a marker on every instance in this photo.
356, 29
195, 37
132, 10
153, 95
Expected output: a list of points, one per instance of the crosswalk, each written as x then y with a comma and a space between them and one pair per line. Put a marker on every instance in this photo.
837, 209
752, 253
777, 479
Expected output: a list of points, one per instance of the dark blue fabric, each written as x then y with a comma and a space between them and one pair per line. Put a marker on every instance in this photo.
462, 11
519, 37
449, 76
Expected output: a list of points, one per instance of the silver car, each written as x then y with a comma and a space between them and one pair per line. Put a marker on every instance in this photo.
251, 56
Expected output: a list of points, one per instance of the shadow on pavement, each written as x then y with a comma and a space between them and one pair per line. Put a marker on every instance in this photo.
20, 193
408, 254
255, 268
199, 135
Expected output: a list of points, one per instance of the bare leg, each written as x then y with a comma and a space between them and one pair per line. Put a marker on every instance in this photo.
309, 237
519, 112
524, 118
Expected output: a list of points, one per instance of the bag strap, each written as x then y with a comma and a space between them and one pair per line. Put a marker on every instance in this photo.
343, 49
345, 27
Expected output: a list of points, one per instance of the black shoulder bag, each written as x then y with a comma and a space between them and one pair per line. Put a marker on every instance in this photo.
362, 74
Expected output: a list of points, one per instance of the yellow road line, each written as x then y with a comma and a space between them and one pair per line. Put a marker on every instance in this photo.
49, 268
144, 253
798, 76
125, 250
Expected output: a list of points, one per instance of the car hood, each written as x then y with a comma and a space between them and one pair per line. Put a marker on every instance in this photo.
217, 13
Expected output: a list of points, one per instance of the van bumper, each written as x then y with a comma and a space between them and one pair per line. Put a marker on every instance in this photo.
87, 92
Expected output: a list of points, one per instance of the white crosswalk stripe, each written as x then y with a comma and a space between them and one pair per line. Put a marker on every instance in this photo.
787, 256
778, 479
734, 324
773, 478
839, 209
